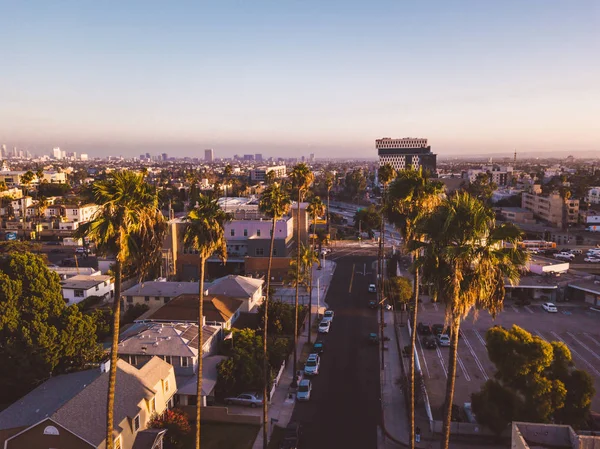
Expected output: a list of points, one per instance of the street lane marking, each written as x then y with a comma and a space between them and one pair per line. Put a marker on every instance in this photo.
529, 309
481, 368
515, 309
423, 357
596, 356
464, 370
539, 334
351, 279
583, 359
423, 307
592, 338
480, 338
441, 357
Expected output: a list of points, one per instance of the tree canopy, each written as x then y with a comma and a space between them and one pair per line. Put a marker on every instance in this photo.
40, 336
535, 381
369, 218
482, 188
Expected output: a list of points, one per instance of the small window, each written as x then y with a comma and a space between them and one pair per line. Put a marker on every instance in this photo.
166, 386
245, 233
233, 232
258, 232
78, 293
97, 288
184, 362
136, 423
153, 405
166, 299
168, 359
130, 299
274, 251
260, 252
157, 298
133, 359
147, 298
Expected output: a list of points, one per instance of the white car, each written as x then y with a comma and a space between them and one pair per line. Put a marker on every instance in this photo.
549, 307
565, 256
312, 365
592, 259
324, 327
304, 390
328, 315
443, 340
372, 288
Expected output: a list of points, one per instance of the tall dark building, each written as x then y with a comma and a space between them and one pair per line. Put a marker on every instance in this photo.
405, 153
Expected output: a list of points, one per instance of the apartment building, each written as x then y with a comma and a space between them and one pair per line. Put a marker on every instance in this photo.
405, 153
552, 208
260, 173
593, 195
501, 176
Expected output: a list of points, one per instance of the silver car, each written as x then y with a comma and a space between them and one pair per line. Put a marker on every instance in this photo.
249, 399
304, 389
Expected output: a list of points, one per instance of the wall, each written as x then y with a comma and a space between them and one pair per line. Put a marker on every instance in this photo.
103, 290
258, 266
221, 414
34, 438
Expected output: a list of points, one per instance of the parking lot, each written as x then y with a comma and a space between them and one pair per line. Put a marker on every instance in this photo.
576, 326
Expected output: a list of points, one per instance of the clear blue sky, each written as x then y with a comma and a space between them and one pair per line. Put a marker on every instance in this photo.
292, 77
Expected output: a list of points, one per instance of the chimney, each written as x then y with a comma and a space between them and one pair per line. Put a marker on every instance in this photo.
105, 366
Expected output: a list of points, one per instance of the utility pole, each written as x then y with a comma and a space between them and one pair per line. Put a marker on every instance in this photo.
381, 284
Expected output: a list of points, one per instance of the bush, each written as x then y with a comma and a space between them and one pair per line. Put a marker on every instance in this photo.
177, 424
89, 302
133, 313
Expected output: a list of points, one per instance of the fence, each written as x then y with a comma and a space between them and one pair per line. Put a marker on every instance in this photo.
221, 414
276, 380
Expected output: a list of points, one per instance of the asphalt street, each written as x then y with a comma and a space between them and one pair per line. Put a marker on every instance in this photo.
344, 410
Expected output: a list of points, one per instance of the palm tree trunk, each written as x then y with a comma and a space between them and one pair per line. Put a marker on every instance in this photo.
200, 329
381, 289
455, 329
328, 229
297, 289
310, 282
114, 354
265, 360
413, 343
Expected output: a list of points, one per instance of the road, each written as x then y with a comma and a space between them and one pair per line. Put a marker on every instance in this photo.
344, 410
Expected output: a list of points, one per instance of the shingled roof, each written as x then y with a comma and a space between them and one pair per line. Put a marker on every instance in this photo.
184, 309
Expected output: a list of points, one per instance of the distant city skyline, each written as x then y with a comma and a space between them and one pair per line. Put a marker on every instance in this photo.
295, 78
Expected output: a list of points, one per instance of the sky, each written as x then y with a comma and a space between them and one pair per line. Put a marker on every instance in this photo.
293, 77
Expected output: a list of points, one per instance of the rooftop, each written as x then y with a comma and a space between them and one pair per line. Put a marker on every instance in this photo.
184, 309
235, 286
168, 289
84, 282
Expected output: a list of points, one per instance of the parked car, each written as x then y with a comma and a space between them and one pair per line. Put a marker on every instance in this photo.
429, 342
437, 329
53, 243
304, 390
81, 250
291, 436
372, 304
565, 256
56, 250
324, 327
592, 259
443, 340
311, 367
372, 338
549, 307
328, 315
577, 251
68, 263
249, 399
424, 329
372, 288
318, 347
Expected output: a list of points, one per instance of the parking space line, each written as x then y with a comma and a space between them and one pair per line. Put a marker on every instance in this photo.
423, 357
423, 308
515, 309
464, 370
480, 338
539, 334
529, 309
583, 359
586, 347
441, 357
477, 361
351, 279
592, 338
435, 306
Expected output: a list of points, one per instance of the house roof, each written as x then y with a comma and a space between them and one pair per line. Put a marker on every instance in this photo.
77, 401
147, 439
235, 286
188, 385
84, 282
589, 286
184, 308
179, 340
168, 289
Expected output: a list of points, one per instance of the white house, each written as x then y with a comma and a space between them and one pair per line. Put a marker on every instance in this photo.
77, 288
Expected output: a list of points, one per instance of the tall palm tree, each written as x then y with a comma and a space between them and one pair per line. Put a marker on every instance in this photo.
328, 185
315, 209
130, 226
205, 233
301, 178
275, 203
467, 265
412, 196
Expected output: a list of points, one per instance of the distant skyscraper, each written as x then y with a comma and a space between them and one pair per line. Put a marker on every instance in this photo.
248, 157
165, 157
209, 155
258, 157
3, 152
84, 156
57, 153
148, 157
303, 158
405, 153
312, 157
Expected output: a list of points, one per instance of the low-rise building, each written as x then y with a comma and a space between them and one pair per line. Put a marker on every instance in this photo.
517, 215
80, 287
593, 195
527, 435
67, 411
156, 293
260, 173
552, 208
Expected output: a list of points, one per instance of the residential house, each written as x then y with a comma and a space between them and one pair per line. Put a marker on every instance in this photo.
69, 411
156, 293
249, 290
177, 344
70, 272
76, 215
75, 289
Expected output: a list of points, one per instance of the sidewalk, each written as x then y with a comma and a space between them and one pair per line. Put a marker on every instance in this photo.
282, 403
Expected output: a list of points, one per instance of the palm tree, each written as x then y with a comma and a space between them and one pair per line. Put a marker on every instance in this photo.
129, 225
205, 233
275, 203
412, 196
270, 177
467, 265
328, 185
315, 209
301, 178
26, 179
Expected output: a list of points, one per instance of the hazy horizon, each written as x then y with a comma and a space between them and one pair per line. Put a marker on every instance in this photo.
294, 78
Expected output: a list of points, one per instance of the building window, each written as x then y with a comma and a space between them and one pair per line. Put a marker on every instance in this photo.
130, 299
157, 298
260, 252
233, 232
274, 252
133, 359
153, 405
258, 232
97, 288
78, 293
245, 233
147, 298
166, 385
184, 362
136, 423
168, 359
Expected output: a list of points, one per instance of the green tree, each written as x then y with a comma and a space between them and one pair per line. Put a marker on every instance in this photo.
301, 178
205, 233
467, 267
367, 219
355, 184
328, 181
26, 180
482, 188
411, 197
399, 289
41, 336
3, 187
274, 203
177, 424
129, 226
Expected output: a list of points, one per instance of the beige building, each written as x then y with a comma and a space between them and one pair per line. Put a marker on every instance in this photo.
551, 436
551, 208
69, 411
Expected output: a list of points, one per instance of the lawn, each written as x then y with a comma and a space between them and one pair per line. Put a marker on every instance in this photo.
225, 435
